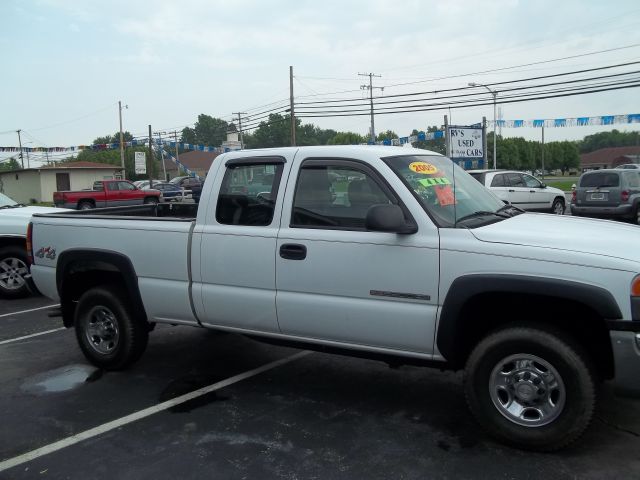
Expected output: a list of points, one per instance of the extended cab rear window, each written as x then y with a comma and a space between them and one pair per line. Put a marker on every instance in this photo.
248, 191
600, 179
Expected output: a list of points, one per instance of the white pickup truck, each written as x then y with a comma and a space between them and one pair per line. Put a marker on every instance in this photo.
387, 252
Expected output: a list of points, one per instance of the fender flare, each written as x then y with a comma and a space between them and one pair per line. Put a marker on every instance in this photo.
466, 287
113, 260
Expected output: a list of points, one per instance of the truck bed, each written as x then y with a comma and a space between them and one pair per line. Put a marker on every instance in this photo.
154, 237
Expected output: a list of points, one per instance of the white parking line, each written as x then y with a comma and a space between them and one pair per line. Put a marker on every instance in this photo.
30, 310
106, 427
4, 342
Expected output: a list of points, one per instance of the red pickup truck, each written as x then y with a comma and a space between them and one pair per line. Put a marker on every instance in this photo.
106, 193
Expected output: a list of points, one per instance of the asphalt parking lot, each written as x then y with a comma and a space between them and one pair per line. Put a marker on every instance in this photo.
263, 412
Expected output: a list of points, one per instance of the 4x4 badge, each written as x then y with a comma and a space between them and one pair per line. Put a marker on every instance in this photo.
48, 252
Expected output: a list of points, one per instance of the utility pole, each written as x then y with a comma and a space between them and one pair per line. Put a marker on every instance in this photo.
150, 161
160, 146
494, 94
484, 141
240, 127
20, 142
447, 140
121, 139
370, 87
175, 138
293, 114
543, 151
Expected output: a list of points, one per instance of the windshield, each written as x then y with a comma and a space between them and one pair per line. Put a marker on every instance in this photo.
448, 193
6, 201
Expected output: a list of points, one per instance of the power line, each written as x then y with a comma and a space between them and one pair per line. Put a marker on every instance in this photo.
526, 87
506, 82
484, 72
74, 119
470, 105
526, 94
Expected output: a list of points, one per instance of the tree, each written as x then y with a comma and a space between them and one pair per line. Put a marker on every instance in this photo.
112, 155
207, 130
614, 138
387, 135
115, 138
435, 145
347, 138
276, 132
9, 164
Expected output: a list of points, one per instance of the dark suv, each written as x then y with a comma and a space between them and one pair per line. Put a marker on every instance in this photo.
611, 193
189, 183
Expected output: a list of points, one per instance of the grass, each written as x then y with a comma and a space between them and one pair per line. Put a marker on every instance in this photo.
562, 184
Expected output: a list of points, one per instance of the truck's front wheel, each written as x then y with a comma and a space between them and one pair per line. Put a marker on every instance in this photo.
530, 387
108, 333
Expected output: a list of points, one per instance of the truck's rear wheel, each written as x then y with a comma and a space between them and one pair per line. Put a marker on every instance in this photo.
108, 333
86, 205
530, 387
13, 272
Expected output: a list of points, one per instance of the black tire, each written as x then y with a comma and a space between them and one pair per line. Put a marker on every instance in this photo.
558, 206
151, 201
14, 269
107, 331
553, 376
85, 205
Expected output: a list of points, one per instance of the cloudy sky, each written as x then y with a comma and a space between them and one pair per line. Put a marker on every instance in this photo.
66, 63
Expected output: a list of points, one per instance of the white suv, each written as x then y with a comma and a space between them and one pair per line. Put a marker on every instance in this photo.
522, 190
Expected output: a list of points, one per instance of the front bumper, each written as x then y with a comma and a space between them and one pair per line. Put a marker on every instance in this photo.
626, 355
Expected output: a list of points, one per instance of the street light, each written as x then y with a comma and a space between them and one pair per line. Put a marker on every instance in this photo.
495, 139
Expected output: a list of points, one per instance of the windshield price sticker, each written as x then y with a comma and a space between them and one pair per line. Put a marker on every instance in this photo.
445, 195
430, 182
423, 168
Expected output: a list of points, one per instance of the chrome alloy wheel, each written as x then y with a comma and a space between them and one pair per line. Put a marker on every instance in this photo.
101, 330
12, 273
527, 390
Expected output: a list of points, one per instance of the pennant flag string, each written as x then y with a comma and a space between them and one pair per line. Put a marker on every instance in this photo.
422, 136
569, 122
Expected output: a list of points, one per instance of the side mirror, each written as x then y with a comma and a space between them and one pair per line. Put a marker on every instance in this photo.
543, 185
387, 218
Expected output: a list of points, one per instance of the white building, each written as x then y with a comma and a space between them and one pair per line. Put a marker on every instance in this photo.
232, 142
38, 184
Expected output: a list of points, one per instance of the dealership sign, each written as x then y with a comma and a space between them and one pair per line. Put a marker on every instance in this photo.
465, 142
140, 162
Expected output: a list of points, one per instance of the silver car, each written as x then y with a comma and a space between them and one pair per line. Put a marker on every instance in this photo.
610, 193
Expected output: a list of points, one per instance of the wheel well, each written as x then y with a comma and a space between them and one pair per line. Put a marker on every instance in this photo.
87, 200
81, 276
487, 312
13, 242
562, 199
